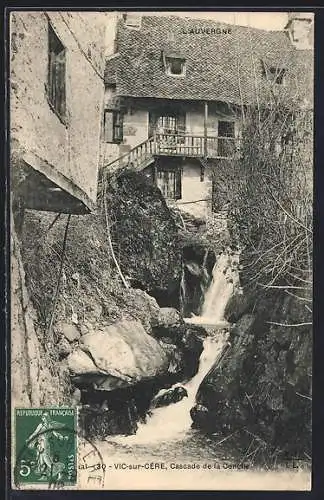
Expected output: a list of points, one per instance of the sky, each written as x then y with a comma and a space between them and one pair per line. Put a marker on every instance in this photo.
270, 20
264, 20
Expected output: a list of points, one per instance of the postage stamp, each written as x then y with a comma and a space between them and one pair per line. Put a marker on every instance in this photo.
45, 447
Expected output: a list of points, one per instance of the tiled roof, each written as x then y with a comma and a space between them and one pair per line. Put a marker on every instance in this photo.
223, 67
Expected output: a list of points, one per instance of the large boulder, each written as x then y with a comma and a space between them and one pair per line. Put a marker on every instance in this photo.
123, 354
137, 304
145, 233
169, 324
182, 341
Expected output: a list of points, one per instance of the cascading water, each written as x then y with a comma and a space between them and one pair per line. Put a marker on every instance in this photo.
225, 280
166, 453
174, 421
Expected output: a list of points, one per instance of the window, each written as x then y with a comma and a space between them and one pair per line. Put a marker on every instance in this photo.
56, 73
113, 126
275, 75
133, 20
226, 134
226, 129
175, 66
169, 182
171, 124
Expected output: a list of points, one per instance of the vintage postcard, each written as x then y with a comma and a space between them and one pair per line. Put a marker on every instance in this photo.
161, 249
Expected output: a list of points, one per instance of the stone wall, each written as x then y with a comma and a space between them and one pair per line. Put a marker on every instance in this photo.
66, 151
196, 190
32, 383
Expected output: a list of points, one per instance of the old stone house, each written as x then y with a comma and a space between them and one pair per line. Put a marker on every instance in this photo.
56, 96
176, 88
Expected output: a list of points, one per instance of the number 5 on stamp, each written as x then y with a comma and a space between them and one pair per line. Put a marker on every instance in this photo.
45, 447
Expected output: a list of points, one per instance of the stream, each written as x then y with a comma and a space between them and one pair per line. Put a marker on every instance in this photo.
167, 436
166, 453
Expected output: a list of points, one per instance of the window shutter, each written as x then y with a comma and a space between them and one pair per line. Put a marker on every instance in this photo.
177, 184
118, 126
108, 126
181, 123
56, 90
60, 83
51, 77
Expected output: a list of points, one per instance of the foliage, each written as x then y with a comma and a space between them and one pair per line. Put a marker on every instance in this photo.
270, 193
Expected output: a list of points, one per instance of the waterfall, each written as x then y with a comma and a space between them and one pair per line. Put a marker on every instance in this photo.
225, 280
173, 422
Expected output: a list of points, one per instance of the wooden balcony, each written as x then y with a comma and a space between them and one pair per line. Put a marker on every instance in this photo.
194, 146
182, 145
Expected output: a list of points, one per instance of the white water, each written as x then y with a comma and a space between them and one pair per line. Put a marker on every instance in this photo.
225, 280
173, 422
168, 437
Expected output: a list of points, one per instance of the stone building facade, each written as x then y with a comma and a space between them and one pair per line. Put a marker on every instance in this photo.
176, 90
56, 97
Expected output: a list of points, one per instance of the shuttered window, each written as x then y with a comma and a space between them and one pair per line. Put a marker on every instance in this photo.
169, 182
226, 134
56, 73
226, 129
113, 126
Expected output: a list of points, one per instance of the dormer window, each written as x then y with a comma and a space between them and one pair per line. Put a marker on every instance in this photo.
133, 20
274, 74
174, 64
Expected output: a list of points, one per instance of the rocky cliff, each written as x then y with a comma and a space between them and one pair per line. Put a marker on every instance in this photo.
261, 387
91, 340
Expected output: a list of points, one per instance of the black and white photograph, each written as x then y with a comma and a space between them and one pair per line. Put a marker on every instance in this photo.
161, 244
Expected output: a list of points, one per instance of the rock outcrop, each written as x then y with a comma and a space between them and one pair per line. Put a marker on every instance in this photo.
120, 355
146, 235
262, 383
119, 347
33, 383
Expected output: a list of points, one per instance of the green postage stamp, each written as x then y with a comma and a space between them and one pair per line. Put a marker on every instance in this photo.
45, 447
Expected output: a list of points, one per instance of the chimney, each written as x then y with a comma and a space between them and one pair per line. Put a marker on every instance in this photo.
111, 33
300, 29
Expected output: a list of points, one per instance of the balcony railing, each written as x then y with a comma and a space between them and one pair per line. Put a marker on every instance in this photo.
195, 146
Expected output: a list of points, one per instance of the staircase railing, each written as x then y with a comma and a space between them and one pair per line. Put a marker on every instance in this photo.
173, 145
134, 158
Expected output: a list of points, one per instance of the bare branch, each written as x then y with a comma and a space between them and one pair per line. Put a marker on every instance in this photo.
289, 325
